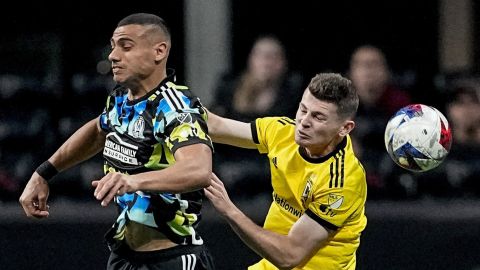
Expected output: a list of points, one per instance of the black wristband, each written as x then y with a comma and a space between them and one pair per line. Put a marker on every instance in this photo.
47, 170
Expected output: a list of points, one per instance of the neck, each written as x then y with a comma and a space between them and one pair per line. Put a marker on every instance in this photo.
321, 151
136, 93
141, 88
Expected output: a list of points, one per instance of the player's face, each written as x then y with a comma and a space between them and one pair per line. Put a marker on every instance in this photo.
317, 125
132, 55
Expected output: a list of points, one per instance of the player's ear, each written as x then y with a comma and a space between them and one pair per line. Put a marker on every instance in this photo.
161, 51
347, 126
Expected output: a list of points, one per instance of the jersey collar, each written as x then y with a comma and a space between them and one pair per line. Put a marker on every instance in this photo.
340, 146
171, 77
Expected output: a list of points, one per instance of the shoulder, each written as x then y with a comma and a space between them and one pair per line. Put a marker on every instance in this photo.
273, 127
178, 96
351, 155
355, 175
182, 89
277, 122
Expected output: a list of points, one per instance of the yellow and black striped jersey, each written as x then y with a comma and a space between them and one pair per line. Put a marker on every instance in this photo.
331, 190
143, 135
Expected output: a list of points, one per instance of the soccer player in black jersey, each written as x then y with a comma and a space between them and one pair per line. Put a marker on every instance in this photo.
319, 187
157, 154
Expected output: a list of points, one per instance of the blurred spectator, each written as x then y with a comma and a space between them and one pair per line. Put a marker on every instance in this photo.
379, 99
459, 174
372, 77
464, 114
266, 87
463, 162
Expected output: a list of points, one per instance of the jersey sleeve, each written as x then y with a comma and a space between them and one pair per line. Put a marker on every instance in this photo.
333, 208
109, 113
103, 119
264, 132
183, 122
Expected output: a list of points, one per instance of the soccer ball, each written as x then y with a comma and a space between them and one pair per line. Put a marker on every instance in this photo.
418, 137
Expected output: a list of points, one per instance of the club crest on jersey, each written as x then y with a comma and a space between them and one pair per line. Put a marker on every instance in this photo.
138, 127
307, 189
184, 118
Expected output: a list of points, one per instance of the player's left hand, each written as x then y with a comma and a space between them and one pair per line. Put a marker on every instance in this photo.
112, 184
218, 196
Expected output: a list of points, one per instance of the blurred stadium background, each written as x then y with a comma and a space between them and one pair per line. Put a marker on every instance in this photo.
54, 77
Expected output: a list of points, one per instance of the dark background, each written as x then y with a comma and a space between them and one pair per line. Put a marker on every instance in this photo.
320, 35
83, 30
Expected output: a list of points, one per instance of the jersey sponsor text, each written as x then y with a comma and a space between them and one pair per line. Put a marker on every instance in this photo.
285, 205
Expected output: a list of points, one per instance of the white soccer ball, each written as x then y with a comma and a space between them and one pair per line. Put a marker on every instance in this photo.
418, 137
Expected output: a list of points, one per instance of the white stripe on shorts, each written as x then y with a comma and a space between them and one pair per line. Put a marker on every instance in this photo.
189, 261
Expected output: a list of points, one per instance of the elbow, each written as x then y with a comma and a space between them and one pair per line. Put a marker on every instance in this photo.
205, 171
204, 177
288, 261
287, 264
200, 174
196, 163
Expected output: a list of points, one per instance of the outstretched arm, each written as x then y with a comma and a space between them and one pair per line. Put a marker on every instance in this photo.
82, 145
228, 131
284, 251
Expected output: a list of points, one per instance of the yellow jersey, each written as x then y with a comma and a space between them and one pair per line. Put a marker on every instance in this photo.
332, 190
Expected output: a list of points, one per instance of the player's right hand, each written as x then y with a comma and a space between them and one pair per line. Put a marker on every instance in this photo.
34, 197
218, 196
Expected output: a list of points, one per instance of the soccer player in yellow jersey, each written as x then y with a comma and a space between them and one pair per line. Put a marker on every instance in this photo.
319, 187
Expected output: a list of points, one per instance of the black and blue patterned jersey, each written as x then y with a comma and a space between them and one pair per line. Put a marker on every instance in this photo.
142, 135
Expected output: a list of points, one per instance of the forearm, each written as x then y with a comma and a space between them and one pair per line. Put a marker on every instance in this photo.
285, 251
178, 178
229, 131
82, 145
191, 171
